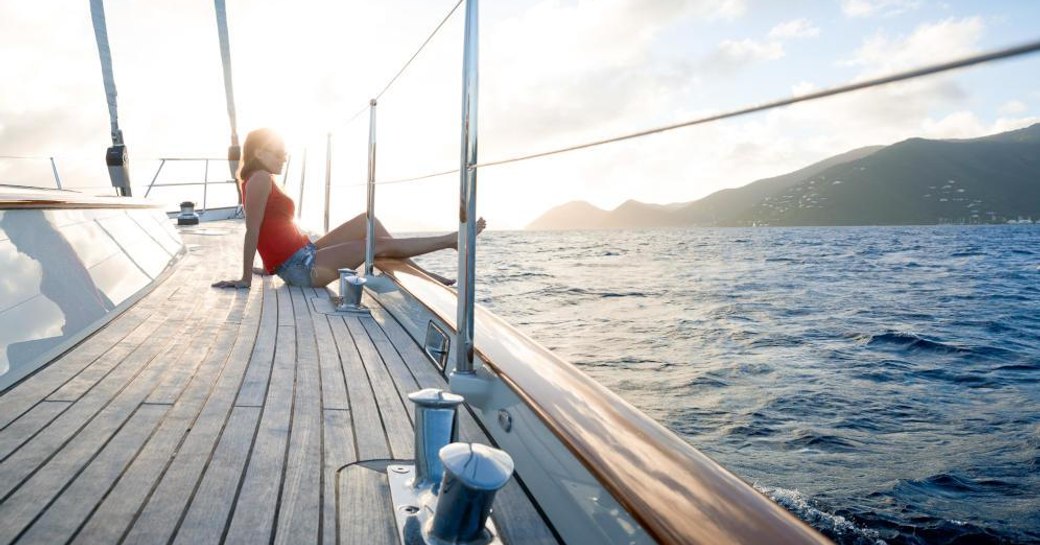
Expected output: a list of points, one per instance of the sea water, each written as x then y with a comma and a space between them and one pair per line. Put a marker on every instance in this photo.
882, 383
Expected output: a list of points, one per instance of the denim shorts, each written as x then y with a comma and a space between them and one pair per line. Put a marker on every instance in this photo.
296, 271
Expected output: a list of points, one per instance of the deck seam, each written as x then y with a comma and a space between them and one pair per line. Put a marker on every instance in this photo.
216, 442
112, 486
184, 437
146, 367
292, 419
371, 388
130, 380
75, 476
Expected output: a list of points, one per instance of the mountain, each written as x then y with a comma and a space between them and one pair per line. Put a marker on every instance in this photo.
917, 181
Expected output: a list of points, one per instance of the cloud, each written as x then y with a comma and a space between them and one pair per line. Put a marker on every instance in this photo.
732, 55
965, 124
884, 8
1012, 107
929, 43
795, 28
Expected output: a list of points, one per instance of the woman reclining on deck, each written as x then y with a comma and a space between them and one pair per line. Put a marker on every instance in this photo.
288, 252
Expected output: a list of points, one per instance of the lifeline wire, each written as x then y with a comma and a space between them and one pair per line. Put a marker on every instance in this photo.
406, 64
1031, 47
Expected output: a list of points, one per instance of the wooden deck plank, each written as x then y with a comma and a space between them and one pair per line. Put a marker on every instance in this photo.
28, 425
369, 437
404, 380
61, 520
255, 513
170, 319
207, 517
212, 389
40, 487
299, 510
194, 348
202, 416
333, 383
366, 510
254, 387
92, 420
338, 451
17, 400
397, 421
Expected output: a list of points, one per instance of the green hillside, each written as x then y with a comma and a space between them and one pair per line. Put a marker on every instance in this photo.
991, 179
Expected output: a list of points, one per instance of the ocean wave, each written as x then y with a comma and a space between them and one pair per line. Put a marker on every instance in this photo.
954, 485
832, 525
913, 341
817, 441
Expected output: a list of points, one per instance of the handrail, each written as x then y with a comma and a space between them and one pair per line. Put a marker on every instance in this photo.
205, 183
26, 197
54, 166
678, 494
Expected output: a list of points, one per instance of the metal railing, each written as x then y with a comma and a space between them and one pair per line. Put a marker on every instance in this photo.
54, 165
205, 183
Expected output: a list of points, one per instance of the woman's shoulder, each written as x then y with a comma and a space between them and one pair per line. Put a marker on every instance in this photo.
261, 174
261, 178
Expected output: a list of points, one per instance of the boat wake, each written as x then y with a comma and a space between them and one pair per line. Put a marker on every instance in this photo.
833, 526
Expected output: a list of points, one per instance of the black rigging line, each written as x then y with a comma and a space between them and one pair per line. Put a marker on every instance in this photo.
409, 62
1031, 47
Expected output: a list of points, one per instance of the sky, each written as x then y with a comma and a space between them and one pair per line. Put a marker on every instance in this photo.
553, 73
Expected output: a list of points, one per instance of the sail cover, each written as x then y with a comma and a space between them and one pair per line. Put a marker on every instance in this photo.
225, 58
97, 13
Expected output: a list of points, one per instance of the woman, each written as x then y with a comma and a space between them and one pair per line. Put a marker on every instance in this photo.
285, 250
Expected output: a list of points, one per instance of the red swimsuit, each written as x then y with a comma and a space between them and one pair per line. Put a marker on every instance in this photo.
279, 237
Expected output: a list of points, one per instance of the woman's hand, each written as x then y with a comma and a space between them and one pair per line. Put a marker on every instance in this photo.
233, 284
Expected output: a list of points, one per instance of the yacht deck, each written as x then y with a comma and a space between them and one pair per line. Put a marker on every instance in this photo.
203, 415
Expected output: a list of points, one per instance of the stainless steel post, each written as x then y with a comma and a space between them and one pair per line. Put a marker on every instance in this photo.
54, 168
436, 426
328, 177
370, 230
468, 194
205, 187
162, 163
285, 175
303, 178
472, 475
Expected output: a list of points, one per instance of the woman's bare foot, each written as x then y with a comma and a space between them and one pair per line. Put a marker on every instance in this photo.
442, 279
481, 225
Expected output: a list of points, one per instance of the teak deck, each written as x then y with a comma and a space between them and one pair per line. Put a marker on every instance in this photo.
203, 415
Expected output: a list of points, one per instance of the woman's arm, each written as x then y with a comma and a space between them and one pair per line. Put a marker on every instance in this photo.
257, 191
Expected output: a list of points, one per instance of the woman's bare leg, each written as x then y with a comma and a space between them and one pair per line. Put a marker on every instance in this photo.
330, 259
355, 229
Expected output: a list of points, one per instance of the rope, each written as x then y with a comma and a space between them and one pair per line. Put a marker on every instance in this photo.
409, 62
1031, 47
1024, 49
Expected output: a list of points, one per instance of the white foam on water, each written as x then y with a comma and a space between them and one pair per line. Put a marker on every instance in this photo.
795, 502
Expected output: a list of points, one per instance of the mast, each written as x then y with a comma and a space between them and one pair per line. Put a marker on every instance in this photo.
234, 151
116, 157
